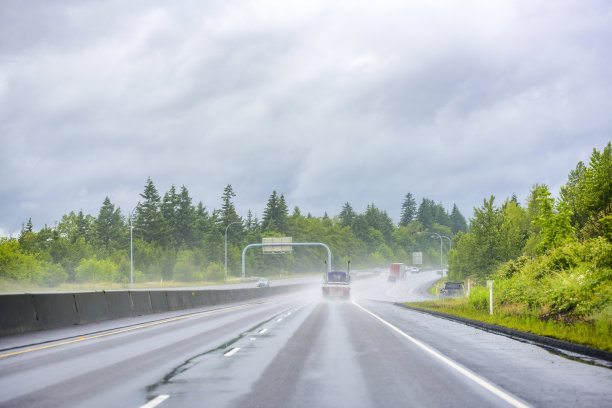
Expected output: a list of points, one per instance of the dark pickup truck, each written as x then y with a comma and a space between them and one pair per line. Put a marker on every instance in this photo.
452, 289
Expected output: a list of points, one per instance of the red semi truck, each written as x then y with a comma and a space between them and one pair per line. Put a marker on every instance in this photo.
397, 271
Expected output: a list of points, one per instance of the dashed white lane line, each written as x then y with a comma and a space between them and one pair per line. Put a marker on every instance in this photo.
155, 402
280, 319
232, 352
262, 331
483, 383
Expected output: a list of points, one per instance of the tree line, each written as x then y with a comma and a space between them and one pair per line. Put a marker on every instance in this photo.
177, 240
509, 232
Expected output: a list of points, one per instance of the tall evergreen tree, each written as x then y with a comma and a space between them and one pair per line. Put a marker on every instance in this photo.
409, 210
347, 215
108, 225
185, 224
282, 214
83, 226
228, 212
440, 215
149, 221
457, 221
425, 213
169, 208
380, 221
275, 214
202, 223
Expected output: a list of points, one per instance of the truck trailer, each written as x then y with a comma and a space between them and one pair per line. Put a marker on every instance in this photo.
336, 284
397, 271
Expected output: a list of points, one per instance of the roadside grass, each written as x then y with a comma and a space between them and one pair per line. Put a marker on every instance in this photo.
434, 289
597, 333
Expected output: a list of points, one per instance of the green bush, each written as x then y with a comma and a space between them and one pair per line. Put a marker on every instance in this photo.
572, 282
186, 268
479, 298
53, 275
215, 272
96, 270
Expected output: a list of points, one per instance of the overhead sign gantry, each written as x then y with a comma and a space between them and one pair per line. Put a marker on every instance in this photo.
286, 244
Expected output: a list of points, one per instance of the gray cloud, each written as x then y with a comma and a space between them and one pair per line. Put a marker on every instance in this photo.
327, 103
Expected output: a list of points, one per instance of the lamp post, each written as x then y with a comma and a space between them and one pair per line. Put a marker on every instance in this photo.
226, 228
435, 234
132, 249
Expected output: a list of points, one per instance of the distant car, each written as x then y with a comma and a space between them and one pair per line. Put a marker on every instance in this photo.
452, 289
414, 269
263, 283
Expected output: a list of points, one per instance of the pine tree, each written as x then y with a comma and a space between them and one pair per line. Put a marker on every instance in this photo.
269, 213
108, 225
202, 223
425, 213
282, 215
347, 215
149, 221
408, 210
184, 228
169, 207
228, 211
457, 221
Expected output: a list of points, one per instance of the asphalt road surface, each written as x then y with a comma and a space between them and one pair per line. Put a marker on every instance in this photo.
293, 351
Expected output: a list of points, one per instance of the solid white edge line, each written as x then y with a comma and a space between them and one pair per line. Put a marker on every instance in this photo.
232, 352
155, 402
501, 394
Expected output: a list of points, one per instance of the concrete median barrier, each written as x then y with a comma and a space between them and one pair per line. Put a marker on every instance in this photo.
141, 302
22, 313
55, 310
91, 307
17, 314
119, 304
159, 301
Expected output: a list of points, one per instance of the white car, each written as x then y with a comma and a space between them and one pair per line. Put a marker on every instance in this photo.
263, 283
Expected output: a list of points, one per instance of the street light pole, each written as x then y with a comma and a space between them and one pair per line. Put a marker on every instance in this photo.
450, 246
226, 228
132, 249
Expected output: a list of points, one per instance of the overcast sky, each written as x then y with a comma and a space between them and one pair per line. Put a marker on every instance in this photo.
326, 102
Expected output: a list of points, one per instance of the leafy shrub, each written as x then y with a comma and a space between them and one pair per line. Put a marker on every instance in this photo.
186, 268
215, 272
53, 275
96, 270
570, 283
479, 298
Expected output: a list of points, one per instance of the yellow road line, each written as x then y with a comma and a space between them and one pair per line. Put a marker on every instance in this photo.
142, 326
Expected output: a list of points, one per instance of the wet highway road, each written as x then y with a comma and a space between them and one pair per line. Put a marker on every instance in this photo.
295, 350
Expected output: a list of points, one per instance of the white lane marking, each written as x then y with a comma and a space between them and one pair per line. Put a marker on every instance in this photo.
262, 331
232, 352
155, 402
278, 320
483, 383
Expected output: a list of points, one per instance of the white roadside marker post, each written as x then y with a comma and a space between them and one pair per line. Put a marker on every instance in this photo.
490, 285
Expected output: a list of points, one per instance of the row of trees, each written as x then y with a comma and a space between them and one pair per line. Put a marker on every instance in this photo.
583, 211
173, 239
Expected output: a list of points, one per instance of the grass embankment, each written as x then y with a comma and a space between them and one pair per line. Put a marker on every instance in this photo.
565, 294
